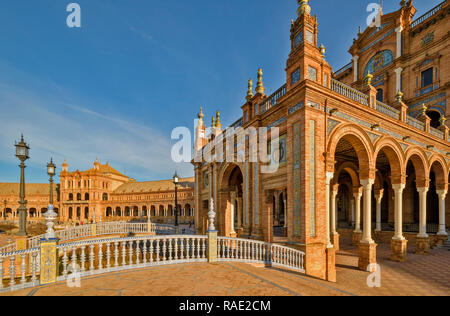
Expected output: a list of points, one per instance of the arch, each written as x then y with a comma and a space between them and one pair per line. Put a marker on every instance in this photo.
351, 169
379, 61
78, 196
118, 211
108, 212
419, 161
70, 213
360, 142
439, 167
226, 171
153, 210
105, 197
70, 196
86, 196
161, 210
395, 155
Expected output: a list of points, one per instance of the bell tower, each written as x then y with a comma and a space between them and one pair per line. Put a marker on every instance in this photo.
307, 59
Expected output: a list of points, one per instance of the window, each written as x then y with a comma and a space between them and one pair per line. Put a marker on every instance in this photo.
70, 197
309, 36
105, 197
325, 80
427, 77
298, 39
312, 73
295, 76
79, 197
380, 95
86, 197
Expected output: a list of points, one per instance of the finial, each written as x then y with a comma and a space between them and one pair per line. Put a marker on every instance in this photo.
402, 3
323, 50
423, 109
250, 89
200, 115
218, 123
369, 78
260, 85
442, 120
399, 96
211, 216
213, 121
304, 7
359, 30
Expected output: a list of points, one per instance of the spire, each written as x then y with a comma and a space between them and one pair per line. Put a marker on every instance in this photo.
213, 121
304, 7
260, 85
250, 89
381, 7
65, 166
218, 123
200, 117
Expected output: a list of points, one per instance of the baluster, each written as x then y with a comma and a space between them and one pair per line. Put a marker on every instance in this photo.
204, 248
23, 269
144, 251
12, 271
65, 260
74, 259
33, 268
91, 258
108, 255
164, 250
229, 248
157, 250
116, 254
124, 253
1, 273
130, 253
100, 256
176, 248
170, 249
151, 251
138, 252
83, 258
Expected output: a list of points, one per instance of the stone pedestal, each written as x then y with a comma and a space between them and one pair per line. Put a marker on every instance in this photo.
356, 238
367, 255
239, 232
331, 264
399, 250
441, 239
335, 241
212, 246
49, 262
315, 261
422, 245
21, 244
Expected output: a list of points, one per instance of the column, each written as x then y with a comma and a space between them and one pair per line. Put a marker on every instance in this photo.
239, 212
276, 210
422, 239
329, 176
357, 197
352, 206
398, 243
367, 247
334, 233
399, 41
442, 195
285, 209
232, 210
398, 79
379, 197
355, 68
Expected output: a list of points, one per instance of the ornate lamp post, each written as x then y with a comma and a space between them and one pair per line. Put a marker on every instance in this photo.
22, 151
4, 210
175, 182
51, 170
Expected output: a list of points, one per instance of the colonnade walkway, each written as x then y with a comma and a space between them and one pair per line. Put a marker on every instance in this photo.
420, 275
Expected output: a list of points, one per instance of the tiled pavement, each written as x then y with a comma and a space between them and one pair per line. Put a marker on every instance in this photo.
421, 275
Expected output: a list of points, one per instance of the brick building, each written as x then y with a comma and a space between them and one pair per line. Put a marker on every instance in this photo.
101, 193
359, 151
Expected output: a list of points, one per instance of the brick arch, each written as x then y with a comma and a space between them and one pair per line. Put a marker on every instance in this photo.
351, 169
396, 156
438, 165
360, 142
420, 163
225, 173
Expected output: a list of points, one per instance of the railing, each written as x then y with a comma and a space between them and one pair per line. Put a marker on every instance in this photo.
8, 248
252, 251
388, 110
437, 133
415, 123
343, 69
85, 258
271, 101
349, 92
428, 15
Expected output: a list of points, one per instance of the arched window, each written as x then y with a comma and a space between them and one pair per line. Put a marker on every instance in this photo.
380, 95
105, 197
70, 197
435, 118
78, 196
86, 197
379, 61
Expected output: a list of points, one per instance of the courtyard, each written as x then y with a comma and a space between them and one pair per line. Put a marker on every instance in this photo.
419, 276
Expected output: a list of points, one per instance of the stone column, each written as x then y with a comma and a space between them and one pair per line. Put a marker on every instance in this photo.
239, 212
398, 242
379, 197
398, 79
367, 247
422, 239
334, 233
399, 41
329, 176
355, 68
357, 194
232, 211
442, 195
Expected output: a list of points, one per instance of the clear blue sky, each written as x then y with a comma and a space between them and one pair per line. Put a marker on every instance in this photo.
116, 87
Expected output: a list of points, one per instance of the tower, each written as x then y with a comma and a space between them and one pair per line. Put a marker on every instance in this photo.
306, 60
200, 133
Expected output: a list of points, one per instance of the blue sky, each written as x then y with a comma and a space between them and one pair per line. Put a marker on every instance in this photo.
116, 87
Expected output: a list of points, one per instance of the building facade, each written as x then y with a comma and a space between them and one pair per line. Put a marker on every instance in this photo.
356, 150
102, 194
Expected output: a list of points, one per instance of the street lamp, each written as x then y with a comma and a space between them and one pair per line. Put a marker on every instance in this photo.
22, 152
51, 170
175, 182
4, 210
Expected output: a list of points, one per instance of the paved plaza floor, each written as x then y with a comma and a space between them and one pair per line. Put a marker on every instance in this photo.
421, 275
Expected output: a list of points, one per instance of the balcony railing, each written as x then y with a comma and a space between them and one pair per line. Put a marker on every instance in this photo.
271, 101
349, 92
388, 110
415, 123
436, 132
428, 15
343, 69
